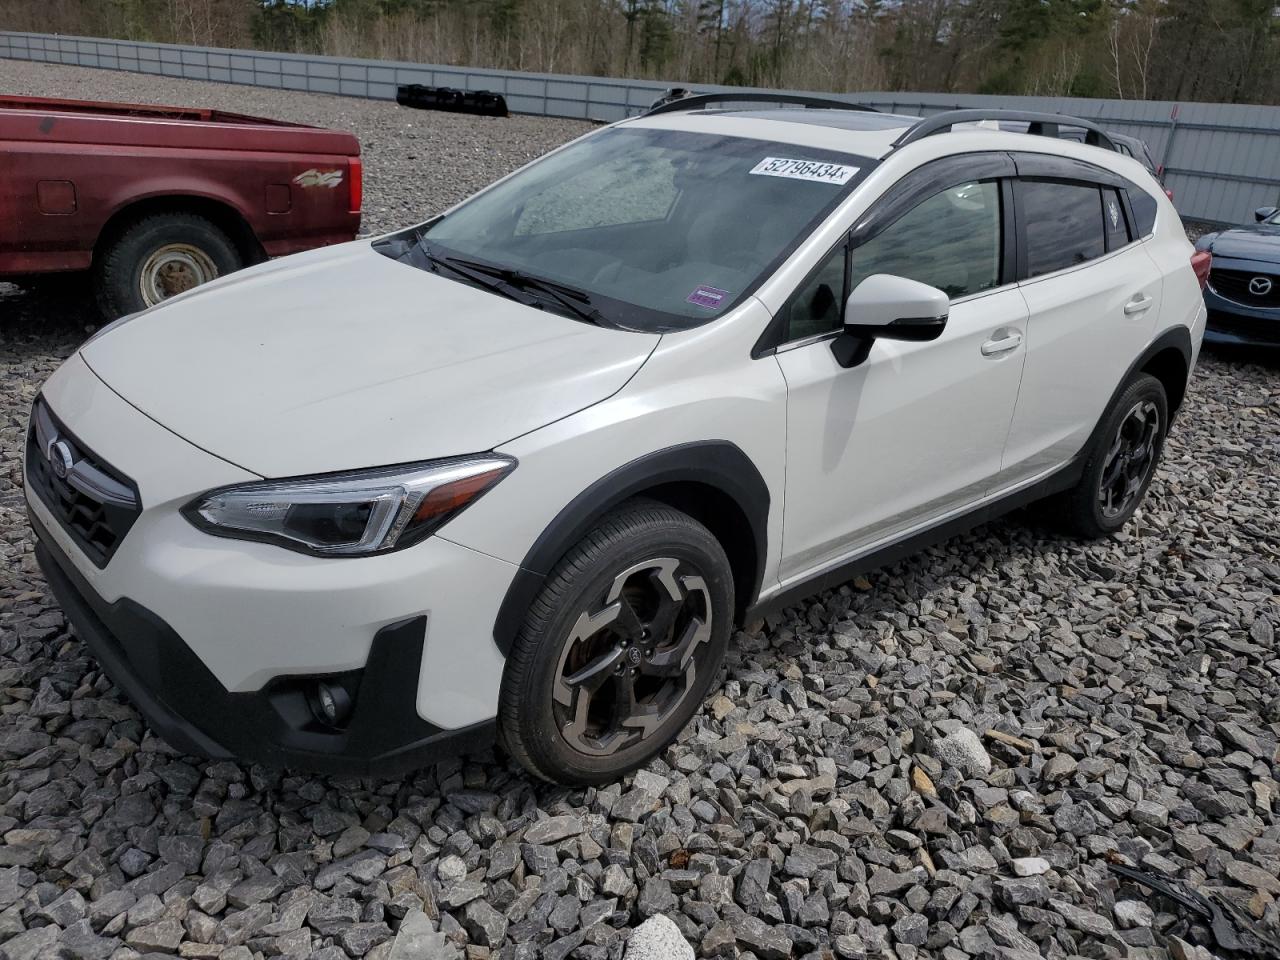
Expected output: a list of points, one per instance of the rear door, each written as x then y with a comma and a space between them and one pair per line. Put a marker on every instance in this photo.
1093, 297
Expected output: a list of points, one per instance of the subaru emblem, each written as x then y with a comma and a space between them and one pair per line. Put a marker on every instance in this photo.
60, 459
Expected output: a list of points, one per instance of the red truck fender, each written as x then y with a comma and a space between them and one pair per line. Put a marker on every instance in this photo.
205, 198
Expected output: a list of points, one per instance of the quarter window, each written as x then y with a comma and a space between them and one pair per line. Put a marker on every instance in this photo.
1063, 224
1144, 211
818, 305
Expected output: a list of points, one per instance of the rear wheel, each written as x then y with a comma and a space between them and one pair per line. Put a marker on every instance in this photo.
158, 257
1121, 462
620, 648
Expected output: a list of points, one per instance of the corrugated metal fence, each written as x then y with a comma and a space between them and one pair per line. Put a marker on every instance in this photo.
1222, 160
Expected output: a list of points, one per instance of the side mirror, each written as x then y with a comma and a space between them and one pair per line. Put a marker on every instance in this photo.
892, 308
1263, 213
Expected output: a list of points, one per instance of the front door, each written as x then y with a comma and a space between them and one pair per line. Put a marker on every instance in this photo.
917, 430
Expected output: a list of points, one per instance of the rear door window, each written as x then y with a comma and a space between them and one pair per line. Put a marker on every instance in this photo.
1062, 224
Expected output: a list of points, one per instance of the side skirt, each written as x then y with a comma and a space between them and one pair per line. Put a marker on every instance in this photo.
1063, 479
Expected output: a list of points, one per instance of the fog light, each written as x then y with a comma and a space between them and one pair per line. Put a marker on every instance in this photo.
332, 703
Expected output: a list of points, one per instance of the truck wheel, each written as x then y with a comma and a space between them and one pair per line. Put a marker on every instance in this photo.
619, 649
158, 257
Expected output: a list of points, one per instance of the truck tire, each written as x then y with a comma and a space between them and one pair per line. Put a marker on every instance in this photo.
158, 257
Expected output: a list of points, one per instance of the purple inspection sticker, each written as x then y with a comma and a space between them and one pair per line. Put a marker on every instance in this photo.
709, 297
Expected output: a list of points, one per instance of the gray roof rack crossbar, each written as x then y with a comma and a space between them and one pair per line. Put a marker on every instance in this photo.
1041, 124
699, 100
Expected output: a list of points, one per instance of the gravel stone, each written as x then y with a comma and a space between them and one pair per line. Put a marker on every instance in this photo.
554, 829
658, 938
163, 936
963, 749
1130, 914
936, 759
1086, 921
763, 940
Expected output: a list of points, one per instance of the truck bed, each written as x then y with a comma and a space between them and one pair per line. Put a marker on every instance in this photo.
93, 122
76, 173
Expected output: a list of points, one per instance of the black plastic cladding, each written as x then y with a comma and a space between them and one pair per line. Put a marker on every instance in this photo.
716, 463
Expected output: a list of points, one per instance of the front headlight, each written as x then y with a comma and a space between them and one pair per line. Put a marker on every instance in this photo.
350, 514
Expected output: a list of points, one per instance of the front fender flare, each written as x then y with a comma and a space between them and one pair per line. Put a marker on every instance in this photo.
715, 463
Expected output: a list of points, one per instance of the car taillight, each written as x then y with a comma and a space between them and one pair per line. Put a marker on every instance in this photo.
355, 179
1168, 193
1201, 261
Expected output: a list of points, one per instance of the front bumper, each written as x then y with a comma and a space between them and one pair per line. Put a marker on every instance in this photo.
205, 633
184, 702
1232, 322
1233, 325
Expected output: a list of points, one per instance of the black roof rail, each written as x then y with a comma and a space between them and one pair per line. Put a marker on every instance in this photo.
1040, 124
699, 100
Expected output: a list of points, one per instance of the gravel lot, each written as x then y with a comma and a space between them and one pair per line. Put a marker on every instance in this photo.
939, 760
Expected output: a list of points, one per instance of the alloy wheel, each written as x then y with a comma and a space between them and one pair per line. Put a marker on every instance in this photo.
1130, 459
628, 665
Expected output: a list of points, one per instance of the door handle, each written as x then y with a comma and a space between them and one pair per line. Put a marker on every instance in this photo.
1000, 345
1137, 305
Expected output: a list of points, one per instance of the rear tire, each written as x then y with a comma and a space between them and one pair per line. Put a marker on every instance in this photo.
1121, 462
158, 257
621, 646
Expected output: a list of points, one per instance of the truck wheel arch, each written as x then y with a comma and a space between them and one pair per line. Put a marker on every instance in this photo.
218, 211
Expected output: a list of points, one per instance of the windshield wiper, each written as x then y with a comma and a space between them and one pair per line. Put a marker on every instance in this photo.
578, 302
486, 279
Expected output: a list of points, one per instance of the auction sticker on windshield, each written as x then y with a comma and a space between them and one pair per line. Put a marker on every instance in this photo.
804, 170
705, 296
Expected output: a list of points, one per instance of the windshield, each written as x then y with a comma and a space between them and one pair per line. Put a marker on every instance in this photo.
658, 229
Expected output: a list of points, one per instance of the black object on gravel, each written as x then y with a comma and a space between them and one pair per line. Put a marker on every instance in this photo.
480, 102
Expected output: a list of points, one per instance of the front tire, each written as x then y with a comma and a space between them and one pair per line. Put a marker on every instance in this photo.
1121, 462
158, 257
620, 647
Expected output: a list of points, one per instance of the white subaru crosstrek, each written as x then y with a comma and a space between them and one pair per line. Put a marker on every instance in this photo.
519, 470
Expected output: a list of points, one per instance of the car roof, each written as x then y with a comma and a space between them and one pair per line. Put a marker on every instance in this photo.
841, 119
861, 132
865, 134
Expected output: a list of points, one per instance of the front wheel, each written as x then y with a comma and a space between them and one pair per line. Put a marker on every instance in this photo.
619, 650
158, 257
1121, 462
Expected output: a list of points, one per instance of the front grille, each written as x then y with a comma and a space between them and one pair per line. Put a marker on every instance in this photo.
1248, 328
94, 503
1236, 285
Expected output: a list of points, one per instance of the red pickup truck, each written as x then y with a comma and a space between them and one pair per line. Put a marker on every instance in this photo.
155, 200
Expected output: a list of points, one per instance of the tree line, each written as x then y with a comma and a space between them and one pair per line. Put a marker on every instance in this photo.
1211, 50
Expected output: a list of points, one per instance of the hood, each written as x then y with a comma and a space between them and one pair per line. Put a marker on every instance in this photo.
342, 358
1251, 242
